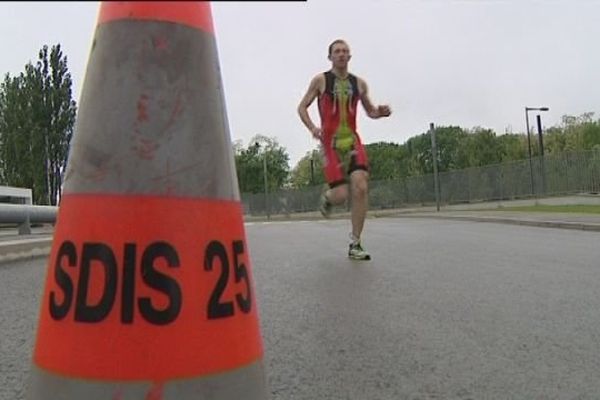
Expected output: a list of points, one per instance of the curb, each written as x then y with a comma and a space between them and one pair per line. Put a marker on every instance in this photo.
24, 249
511, 221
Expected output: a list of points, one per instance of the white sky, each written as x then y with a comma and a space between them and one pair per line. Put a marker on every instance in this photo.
468, 63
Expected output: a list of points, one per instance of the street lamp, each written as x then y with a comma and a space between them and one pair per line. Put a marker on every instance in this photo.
434, 156
257, 145
527, 109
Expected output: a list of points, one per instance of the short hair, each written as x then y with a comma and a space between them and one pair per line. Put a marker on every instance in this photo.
336, 41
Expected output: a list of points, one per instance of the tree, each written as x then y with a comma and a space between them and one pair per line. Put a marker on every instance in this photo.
60, 113
512, 147
37, 116
308, 171
15, 134
485, 148
386, 160
555, 140
449, 142
420, 161
590, 135
249, 164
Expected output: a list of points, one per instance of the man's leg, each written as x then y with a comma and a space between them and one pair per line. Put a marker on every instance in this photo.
359, 192
332, 197
338, 184
360, 198
337, 195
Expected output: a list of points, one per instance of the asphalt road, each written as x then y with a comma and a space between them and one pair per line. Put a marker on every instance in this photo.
445, 310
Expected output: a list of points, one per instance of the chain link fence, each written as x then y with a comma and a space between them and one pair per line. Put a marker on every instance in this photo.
565, 173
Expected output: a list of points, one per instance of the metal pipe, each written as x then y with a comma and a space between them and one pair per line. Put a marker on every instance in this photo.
19, 213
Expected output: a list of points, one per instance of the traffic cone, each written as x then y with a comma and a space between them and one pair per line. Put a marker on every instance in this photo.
149, 292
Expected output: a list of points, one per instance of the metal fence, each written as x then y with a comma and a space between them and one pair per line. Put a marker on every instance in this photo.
560, 174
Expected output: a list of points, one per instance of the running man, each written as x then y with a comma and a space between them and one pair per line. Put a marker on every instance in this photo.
338, 92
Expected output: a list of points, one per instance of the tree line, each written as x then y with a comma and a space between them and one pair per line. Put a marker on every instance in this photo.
457, 148
37, 118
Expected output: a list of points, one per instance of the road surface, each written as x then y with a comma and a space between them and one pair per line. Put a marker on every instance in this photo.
445, 310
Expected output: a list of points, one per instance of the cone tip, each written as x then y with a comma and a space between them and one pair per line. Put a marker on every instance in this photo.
196, 14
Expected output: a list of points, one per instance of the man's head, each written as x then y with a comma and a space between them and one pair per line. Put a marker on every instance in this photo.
339, 53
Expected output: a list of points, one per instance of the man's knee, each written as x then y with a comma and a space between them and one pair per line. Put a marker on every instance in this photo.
338, 194
360, 188
360, 185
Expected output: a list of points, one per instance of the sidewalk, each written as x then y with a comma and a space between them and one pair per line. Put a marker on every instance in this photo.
481, 212
17, 247
584, 222
499, 212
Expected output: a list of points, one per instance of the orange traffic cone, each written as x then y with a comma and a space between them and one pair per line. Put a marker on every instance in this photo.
149, 291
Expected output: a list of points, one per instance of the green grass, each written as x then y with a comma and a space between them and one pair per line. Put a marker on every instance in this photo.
574, 208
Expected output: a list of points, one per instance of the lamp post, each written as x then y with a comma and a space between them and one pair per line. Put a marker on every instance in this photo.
542, 160
527, 109
257, 145
434, 156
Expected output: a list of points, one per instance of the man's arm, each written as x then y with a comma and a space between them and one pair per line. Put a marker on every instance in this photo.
371, 110
311, 94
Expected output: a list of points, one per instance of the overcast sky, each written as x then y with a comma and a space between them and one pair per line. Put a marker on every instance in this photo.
466, 63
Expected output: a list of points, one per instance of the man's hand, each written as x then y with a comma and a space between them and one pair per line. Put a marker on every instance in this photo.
316, 133
384, 110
